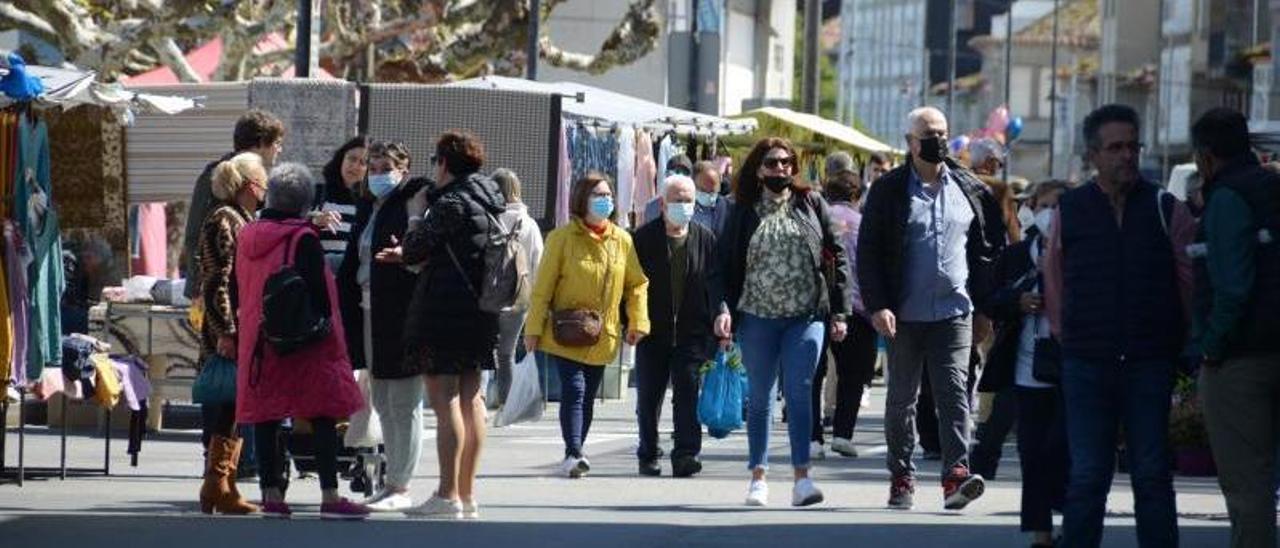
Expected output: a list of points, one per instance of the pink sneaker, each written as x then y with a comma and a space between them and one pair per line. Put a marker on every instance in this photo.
276, 510
343, 510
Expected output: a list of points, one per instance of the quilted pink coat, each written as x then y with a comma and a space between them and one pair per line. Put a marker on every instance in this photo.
315, 381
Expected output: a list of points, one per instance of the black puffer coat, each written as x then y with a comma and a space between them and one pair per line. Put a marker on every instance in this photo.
389, 288
444, 319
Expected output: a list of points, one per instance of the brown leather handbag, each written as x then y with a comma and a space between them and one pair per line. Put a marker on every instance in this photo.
579, 327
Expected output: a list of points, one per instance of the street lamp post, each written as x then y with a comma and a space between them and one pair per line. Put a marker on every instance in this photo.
531, 53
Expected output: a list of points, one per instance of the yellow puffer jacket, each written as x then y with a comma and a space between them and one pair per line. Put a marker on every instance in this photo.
573, 275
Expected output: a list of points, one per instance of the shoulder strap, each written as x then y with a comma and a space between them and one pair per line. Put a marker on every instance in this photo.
292, 249
1164, 207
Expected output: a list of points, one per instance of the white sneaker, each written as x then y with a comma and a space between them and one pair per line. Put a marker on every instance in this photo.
844, 447
575, 468
758, 493
805, 493
866, 398
470, 510
393, 502
437, 508
817, 451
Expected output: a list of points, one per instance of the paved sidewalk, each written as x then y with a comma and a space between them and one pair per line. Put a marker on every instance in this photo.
524, 503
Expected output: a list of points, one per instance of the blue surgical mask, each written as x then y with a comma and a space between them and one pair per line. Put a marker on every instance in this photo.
680, 213
382, 184
601, 206
707, 199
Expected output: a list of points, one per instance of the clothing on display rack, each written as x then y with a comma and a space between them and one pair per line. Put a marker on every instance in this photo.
644, 188
152, 253
33, 278
626, 174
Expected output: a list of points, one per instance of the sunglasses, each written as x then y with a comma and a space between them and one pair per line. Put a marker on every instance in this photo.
777, 163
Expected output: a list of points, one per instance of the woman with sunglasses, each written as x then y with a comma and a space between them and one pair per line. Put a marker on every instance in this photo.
777, 253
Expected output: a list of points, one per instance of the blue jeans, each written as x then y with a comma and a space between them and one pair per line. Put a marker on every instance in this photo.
1099, 396
579, 384
791, 344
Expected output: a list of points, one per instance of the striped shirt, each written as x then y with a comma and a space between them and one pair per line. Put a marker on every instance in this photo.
335, 241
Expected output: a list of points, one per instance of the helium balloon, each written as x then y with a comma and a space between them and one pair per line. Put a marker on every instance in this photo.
958, 144
1014, 129
997, 121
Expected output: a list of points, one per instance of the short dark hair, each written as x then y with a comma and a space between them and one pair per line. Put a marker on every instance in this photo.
462, 151
845, 186
580, 196
879, 158
257, 128
1222, 132
1105, 115
395, 151
1043, 188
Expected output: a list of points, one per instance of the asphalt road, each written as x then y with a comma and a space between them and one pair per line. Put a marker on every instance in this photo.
523, 502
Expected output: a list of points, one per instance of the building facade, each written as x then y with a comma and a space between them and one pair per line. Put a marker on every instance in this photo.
714, 56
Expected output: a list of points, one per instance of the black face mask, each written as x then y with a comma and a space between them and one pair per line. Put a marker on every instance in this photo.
933, 150
777, 183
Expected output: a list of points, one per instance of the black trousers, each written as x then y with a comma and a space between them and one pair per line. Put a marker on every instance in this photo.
217, 420
855, 358
984, 460
815, 400
1042, 450
658, 365
270, 450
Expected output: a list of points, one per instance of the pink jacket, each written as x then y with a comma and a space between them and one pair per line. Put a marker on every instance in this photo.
315, 381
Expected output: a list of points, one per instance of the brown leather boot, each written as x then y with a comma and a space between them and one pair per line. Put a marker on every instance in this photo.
235, 465
218, 492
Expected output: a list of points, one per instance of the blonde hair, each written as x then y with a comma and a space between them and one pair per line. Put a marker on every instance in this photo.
232, 175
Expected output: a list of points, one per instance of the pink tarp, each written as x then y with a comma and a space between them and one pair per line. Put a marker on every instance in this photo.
205, 58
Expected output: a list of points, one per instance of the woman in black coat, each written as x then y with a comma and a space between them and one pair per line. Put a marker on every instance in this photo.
374, 291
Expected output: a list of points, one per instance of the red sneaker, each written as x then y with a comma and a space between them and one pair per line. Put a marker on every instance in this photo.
902, 493
961, 487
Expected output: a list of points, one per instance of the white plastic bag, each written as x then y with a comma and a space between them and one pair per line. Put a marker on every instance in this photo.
524, 401
365, 429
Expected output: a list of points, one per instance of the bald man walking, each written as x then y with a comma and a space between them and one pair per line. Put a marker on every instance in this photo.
678, 256
930, 235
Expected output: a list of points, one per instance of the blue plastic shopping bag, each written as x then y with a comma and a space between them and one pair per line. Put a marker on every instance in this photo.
724, 385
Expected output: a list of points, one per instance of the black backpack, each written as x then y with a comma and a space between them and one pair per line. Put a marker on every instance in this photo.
289, 322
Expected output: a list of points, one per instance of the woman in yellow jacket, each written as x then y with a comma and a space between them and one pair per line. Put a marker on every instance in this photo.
588, 266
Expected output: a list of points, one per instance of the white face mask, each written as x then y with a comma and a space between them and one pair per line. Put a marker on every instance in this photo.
1026, 217
1044, 221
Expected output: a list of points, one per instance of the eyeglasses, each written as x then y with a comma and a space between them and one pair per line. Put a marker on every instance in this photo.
777, 163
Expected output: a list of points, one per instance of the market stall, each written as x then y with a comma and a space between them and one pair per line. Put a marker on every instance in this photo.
813, 136
626, 138
34, 356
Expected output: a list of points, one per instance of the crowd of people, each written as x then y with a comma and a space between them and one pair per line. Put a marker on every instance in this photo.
1070, 306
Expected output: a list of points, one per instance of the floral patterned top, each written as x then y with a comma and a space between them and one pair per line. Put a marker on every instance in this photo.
779, 279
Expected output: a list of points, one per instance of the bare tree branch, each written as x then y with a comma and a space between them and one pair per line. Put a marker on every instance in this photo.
171, 55
633, 38
12, 16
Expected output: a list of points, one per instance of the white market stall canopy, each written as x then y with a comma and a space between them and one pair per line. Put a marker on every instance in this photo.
68, 88
772, 117
604, 106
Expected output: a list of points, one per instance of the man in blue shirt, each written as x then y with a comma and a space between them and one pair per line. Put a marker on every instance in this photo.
930, 234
